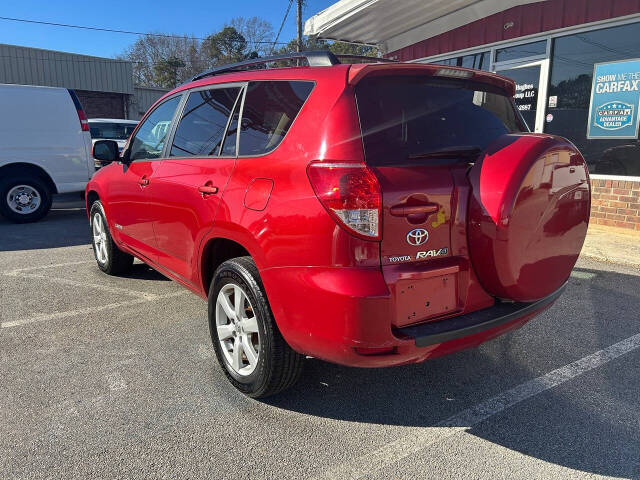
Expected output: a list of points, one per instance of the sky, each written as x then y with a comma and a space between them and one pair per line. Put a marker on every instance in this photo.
196, 17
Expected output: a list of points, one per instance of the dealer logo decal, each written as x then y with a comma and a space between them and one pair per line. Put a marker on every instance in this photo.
613, 115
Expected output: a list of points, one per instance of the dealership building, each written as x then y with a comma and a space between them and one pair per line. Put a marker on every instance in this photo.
104, 85
551, 49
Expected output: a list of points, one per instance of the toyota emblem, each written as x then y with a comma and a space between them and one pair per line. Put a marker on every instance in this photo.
417, 236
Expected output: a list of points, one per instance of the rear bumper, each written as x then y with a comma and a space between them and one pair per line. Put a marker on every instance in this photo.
475, 322
328, 313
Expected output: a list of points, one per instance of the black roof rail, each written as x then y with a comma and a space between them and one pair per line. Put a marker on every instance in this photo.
315, 58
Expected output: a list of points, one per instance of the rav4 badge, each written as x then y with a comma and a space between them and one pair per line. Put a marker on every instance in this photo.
432, 253
436, 252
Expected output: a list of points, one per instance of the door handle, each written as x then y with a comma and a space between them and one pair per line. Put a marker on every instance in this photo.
404, 210
207, 190
143, 181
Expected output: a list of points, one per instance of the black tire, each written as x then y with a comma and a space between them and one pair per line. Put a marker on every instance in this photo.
278, 365
116, 261
39, 185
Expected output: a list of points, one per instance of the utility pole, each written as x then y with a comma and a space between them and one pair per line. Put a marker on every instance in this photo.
299, 25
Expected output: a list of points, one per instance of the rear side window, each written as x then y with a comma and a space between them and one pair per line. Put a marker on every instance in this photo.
269, 111
203, 123
408, 118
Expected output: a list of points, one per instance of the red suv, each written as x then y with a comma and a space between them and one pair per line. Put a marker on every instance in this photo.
364, 214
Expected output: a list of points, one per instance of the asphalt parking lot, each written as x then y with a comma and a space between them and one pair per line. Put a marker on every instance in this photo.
107, 377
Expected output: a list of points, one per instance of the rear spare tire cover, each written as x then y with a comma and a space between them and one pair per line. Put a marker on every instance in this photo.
528, 215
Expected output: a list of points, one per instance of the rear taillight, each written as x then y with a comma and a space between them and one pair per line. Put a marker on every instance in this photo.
84, 123
351, 194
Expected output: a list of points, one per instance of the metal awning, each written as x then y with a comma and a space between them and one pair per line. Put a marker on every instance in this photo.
394, 24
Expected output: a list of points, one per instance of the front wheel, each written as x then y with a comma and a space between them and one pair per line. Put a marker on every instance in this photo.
248, 345
109, 257
24, 199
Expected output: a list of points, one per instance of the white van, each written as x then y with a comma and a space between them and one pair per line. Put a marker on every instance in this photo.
45, 148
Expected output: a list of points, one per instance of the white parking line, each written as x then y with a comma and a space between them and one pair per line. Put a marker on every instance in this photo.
43, 317
74, 283
397, 450
205, 350
116, 381
39, 267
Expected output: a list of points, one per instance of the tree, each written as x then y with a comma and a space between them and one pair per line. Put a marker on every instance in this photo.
149, 50
339, 48
309, 43
226, 46
257, 32
343, 48
165, 60
166, 72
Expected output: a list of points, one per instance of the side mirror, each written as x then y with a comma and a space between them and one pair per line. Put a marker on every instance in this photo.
105, 151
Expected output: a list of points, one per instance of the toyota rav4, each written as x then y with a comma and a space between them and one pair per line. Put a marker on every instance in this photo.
365, 214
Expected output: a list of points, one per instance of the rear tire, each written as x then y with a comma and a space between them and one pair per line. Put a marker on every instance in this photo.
109, 257
265, 364
24, 199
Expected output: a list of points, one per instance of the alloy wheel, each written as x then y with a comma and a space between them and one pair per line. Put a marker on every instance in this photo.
237, 328
100, 238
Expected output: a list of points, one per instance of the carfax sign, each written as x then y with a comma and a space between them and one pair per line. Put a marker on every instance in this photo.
615, 100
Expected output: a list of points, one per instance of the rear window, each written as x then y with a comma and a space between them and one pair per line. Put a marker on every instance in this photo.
404, 119
269, 110
111, 131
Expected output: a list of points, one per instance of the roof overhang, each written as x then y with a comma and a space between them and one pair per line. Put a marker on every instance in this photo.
395, 24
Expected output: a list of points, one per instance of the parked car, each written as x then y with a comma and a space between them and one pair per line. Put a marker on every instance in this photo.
369, 215
620, 159
45, 148
115, 129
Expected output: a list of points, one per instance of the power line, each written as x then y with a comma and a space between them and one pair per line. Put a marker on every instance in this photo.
112, 30
281, 25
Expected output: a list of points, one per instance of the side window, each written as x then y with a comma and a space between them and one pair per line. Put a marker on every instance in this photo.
150, 137
203, 122
269, 111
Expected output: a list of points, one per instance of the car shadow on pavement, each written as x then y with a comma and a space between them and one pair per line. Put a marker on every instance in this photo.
590, 423
141, 271
65, 225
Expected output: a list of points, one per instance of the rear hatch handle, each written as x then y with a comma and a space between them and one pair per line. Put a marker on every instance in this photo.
404, 210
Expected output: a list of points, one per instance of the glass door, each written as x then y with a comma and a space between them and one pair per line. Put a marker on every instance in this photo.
531, 89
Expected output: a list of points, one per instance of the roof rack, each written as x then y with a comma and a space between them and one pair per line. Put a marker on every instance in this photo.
315, 58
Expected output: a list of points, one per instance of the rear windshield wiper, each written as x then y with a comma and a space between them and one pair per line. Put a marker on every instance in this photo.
449, 152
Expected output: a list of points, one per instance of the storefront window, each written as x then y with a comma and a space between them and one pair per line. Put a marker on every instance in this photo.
572, 63
527, 81
479, 61
521, 51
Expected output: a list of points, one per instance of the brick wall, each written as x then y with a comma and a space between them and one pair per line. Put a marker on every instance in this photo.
102, 104
615, 203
